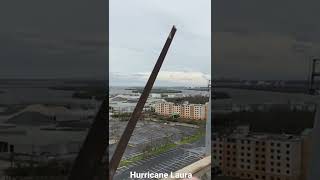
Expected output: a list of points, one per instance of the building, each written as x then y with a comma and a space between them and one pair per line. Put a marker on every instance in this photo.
188, 111
155, 95
38, 142
256, 156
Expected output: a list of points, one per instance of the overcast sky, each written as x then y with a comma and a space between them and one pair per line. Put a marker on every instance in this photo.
267, 39
53, 39
138, 31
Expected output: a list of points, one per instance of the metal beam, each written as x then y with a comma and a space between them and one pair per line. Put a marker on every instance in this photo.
124, 140
313, 75
314, 158
89, 158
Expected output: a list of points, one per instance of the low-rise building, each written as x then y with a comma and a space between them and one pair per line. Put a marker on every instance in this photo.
259, 156
189, 111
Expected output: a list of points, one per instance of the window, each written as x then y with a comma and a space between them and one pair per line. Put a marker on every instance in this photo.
288, 145
288, 152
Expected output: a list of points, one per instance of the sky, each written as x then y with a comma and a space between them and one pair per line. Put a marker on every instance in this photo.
138, 31
264, 40
54, 39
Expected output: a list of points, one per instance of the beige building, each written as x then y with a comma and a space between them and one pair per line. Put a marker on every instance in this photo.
189, 111
259, 156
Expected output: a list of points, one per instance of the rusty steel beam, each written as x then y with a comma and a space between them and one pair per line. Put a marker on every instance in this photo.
93, 149
124, 140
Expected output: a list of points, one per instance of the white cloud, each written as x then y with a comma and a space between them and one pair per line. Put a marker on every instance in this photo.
171, 78
138, 30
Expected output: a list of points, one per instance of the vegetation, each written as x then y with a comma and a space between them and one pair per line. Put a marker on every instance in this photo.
156, 90
52, 168
152, 151
192, 138
149, 151
10, 109
191, 99
85, 92
122, 116
179, 119
220, 95
198, 89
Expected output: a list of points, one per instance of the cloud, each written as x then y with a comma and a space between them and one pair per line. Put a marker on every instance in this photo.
264, 39
164, 78
37, 41
139, 31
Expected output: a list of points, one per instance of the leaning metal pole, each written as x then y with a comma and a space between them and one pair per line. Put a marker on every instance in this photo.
93, 148
314, 158
124, 140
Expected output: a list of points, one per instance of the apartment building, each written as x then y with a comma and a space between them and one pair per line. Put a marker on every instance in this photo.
189, 111
258, 156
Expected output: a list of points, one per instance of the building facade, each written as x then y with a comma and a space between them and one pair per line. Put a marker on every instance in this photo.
188, 111
259, 156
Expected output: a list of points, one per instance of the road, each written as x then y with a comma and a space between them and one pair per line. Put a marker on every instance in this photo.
166, 162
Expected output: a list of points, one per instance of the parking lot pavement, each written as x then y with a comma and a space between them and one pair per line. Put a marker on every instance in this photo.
167, 162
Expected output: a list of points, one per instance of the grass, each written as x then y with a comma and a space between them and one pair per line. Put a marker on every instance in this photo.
164, 148
192, 138
152, 152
